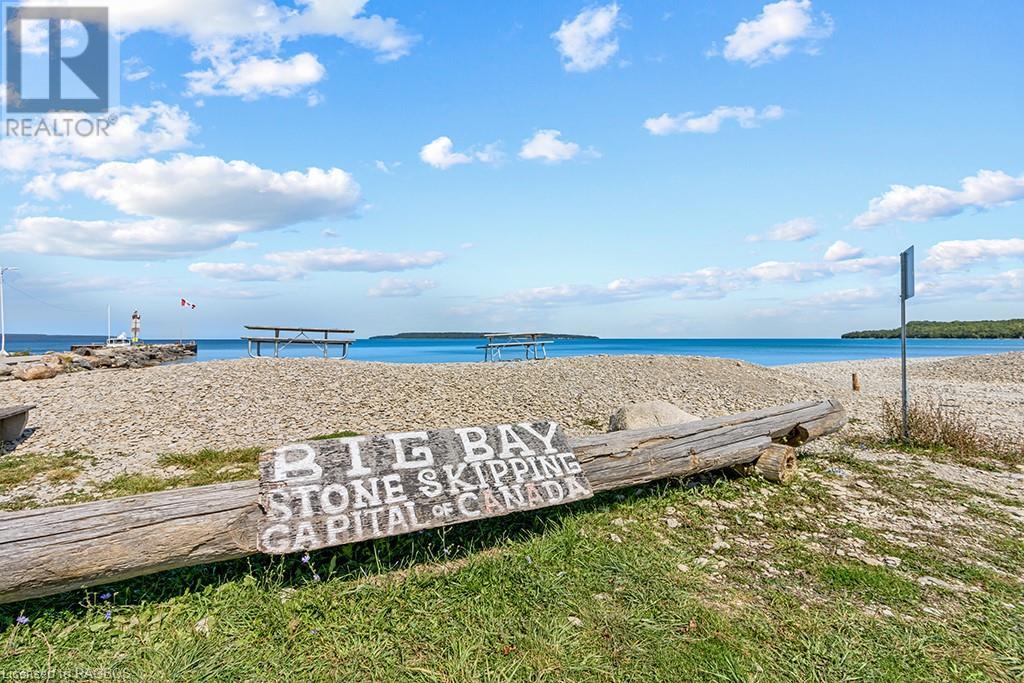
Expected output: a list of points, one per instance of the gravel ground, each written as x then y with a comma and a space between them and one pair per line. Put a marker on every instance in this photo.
990, 389
236, 403
126, 418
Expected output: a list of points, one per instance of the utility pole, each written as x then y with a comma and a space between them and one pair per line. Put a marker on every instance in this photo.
3, 327
906, 292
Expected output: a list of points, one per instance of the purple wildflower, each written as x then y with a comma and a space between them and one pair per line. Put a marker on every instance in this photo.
106, 596
106, 615
22, 619
316, 577
305, 559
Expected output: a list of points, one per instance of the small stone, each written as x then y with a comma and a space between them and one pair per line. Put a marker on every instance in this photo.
618, 521
892, 561
701, 561
575, 621
672, 522
616, 538
682, 567
720, 545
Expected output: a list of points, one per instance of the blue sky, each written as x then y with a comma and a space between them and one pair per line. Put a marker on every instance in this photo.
656, 169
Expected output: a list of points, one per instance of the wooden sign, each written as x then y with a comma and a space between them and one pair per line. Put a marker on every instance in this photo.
339, 491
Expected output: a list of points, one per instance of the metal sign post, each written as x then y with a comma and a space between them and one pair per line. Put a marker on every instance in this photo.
3, 326
906, 291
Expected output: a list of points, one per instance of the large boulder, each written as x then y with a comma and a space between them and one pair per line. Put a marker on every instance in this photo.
648, 414
34, 372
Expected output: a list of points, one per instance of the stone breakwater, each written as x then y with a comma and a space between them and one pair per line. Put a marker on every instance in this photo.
93, 358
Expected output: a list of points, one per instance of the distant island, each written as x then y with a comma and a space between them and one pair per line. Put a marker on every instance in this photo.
469, 335
957, 329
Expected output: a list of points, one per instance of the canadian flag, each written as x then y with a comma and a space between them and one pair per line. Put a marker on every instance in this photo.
187, 304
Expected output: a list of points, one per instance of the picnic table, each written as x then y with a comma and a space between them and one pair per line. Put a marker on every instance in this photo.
298, 336
531, 343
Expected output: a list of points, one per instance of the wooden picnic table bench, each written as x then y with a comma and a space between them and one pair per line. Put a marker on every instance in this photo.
530, 342
300, 336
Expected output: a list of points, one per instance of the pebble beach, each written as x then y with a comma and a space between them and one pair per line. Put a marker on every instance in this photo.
127, 418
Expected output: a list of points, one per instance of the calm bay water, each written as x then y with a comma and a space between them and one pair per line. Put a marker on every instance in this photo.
762, 351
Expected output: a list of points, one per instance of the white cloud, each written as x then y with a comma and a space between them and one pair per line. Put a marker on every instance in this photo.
179, 207
385, 167
841, 251
244, 272
1006, 286
137, 130
920, 203
546, 146
242, 39
205, 22
796, 230
956, 254
689, 122
438, 153
398, 287
141, 240
289, 265
133, 69
253, 77
778, 30
706, 283
588, 41
846, 298
347, 259
210, 190
242, 244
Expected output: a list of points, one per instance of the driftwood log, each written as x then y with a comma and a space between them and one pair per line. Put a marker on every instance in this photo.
51, 550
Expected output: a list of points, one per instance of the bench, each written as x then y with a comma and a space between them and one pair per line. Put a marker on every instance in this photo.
299, 337
530, 342
12, 422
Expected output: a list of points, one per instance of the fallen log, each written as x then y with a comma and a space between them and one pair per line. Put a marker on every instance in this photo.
51, 550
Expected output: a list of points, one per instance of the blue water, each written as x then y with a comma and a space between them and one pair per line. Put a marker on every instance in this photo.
761, 351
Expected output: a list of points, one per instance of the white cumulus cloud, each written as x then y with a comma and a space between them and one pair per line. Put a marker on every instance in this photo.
440, 153
690, 122
177, 207
242, 39
254, 77
779, 29
135, 131
956, 254
588, 41
546, 146
842, 251
796, 230
920, 203
347, 259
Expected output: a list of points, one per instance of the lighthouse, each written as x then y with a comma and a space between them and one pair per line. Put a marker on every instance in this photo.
136, 327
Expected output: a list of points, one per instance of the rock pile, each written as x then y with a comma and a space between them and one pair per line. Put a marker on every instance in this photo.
93, 358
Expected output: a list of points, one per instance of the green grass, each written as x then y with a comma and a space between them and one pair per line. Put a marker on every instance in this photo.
16, 468
207, 466
554, 596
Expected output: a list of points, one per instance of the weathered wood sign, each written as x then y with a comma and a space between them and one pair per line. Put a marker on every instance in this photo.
347, 490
